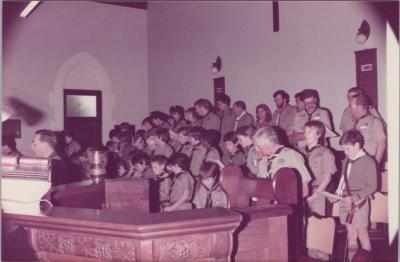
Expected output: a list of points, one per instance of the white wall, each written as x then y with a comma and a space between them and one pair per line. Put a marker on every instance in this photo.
81, 45
313, 49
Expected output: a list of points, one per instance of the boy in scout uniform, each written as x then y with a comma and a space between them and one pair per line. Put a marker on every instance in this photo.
276, 156
234, 155
358, 182
210, 193
312, 111
181, 185
369, 126
347, 121
244, 135
162, 147
209, 119
199, 151
321, 162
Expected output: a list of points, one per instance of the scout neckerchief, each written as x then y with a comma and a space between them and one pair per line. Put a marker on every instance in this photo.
208, 151
231, 156
354, 208
270, 158
309, 150
209, 191
173, 180
358, 120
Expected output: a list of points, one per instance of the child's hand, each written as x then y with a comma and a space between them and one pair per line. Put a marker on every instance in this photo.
313, 197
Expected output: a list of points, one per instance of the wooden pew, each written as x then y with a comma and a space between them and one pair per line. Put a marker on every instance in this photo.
263, 234
76, 234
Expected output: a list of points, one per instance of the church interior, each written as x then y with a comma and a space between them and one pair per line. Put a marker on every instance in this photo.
200, 130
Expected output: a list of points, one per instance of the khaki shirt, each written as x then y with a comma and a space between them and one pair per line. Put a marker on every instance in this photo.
251, 159
164, 150
218, 198
182, 182
198, 155
286, 158
321, 162
301, 118
372, 130
186, 149
347, 122
285, 119
211, 121
238, 159
212, 154
227, 122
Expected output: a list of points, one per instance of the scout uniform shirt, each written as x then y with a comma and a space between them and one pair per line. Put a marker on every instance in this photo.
198, 155
180, 123
186, 149
303, 117
284, 117
164, 150
237, 159
372, 130
347, 122
321, 161
210, 197
283, 157
211, 121
179, 183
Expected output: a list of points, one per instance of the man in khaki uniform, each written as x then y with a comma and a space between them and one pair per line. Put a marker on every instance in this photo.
276, 156
227, 118
347, 121
209, 119
312, 111
369, 126
284, 114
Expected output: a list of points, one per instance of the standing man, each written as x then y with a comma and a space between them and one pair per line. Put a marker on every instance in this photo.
347, 121
243, 118
299, 101
227, 116
284, 113
369, 126
312, 111
209, 119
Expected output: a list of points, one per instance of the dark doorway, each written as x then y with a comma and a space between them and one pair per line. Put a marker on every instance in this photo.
82, 115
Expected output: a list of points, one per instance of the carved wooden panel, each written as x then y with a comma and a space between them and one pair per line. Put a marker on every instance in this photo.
187, 248
84, 245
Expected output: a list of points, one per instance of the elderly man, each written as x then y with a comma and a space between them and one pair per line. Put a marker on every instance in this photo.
369, 126
275, 156
44, 145
312, 111
209, 119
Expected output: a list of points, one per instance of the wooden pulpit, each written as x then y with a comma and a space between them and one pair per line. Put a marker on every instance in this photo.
263, 234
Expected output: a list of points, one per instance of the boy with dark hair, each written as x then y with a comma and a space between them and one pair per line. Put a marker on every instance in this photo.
210, 193
160, 120
234, 155
141, 166
162, 147
9, 147
244, 135
209, 119
210, 140
184, 142
199, 151
178, 115
182, 184
358, 182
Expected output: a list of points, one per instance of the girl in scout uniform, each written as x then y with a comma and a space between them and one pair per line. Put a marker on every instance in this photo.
358, 182
210, 193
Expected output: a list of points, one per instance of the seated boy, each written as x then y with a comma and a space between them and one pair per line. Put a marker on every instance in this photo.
158, 166
141, 166
199, 151
161, 143
210, 193
184, 142
234, 155
182, 183
358, 182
